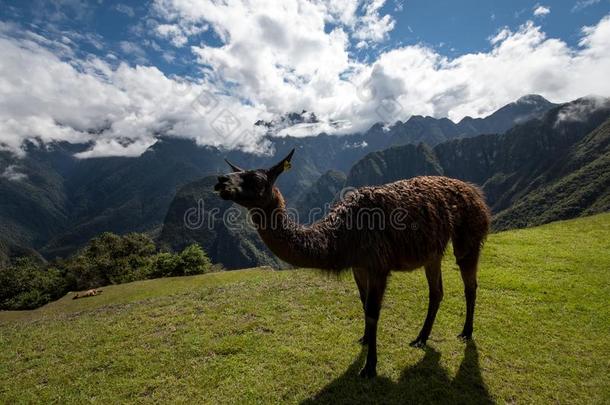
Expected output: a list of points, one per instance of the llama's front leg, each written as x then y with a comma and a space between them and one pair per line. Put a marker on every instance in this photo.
360, 277
374, 297
435, 286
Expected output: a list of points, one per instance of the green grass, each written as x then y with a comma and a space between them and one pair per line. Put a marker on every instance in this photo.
542, 332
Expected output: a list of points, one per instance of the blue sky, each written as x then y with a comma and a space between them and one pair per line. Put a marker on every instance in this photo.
118, 73
451, 27
464, 26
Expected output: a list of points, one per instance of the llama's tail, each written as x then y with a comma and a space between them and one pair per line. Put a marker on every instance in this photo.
474, 225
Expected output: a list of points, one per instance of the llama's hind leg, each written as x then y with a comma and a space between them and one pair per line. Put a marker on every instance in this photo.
435, 286
360, 277
468, 270
375, 290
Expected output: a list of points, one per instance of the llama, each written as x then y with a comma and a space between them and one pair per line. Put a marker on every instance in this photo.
423, 214
88, 293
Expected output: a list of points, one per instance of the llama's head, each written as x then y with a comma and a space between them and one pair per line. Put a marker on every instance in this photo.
251, 188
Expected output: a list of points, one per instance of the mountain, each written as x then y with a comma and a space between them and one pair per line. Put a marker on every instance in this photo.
433, 131
524, 109
314, 202
543, 170
581, 186
9, 252
33, 200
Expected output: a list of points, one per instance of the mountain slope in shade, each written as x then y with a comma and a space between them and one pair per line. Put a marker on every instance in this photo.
581, 188
434, 131
33, 201
524, 109
314, 202
9, 252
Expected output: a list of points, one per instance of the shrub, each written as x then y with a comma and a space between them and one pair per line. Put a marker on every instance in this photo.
192, 260
27, 285
111, 259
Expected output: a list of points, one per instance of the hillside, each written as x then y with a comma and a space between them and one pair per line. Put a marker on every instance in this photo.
314, 202
580, 184
262, 336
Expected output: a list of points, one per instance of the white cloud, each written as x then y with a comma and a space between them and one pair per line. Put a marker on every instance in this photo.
134, 50
273, 60
372, 26
541, 11
580, 111
119, 110
173, 33
11, 173
178, 34
582, 4
125, 9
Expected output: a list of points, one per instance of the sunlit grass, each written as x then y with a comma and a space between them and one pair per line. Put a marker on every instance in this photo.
541, 334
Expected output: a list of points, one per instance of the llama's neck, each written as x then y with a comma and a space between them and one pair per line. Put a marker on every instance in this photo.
301, 246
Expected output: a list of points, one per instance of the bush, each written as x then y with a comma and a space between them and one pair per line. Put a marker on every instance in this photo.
111, 259
27, 285
163, 265
192, 260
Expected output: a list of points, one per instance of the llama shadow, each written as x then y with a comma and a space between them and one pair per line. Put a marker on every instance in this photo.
424, 382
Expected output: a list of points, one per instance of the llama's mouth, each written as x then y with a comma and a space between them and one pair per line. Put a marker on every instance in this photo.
223, 192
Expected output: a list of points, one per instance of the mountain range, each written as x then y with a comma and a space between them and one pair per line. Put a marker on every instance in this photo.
53, 202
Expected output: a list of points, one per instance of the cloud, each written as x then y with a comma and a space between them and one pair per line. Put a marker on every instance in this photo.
134, 50
541, 11
273, 60
118, 110
125, 9
582, 4
61, 10
373, 26
583, 109
11, 173
173, 33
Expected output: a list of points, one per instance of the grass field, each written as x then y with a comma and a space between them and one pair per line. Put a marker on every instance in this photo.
542, 334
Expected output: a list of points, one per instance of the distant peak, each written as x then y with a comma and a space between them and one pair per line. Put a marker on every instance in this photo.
532, 99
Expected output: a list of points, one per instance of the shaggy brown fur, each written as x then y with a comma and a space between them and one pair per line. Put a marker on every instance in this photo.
399, 226
89, 293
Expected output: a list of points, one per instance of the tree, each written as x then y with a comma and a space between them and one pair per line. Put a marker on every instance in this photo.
27, 284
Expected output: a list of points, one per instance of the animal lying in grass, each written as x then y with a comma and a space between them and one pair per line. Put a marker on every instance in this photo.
88, 293
407, 225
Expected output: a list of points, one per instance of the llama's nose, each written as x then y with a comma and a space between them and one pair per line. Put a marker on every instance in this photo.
222, 179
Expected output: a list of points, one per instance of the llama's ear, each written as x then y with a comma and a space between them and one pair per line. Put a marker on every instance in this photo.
283, 165
233, 167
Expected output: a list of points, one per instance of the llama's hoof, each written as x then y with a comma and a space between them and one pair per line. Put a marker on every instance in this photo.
363, 341
465, 336
419, 342
368, 372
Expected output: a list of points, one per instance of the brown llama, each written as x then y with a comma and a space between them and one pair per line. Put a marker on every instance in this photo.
417, 219
88, 293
